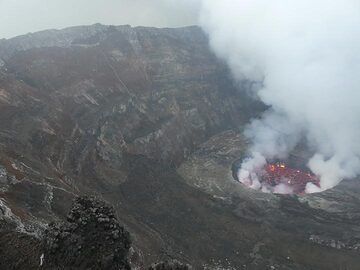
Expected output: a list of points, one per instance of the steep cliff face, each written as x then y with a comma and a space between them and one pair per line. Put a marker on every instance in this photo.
80, 99
81, 107
139, 118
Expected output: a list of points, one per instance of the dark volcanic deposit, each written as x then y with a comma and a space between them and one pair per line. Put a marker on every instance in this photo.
149, 121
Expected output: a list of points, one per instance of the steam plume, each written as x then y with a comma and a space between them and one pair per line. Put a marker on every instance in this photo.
306, 57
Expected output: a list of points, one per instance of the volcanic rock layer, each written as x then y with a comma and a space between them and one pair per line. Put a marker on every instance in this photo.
148, 120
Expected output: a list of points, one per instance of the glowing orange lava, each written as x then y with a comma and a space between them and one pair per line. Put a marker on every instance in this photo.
279, 173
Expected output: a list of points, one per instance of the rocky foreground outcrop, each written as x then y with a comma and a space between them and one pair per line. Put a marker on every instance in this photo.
90, 238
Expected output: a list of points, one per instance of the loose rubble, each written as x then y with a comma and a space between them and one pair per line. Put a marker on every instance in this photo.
332, 243
170, 265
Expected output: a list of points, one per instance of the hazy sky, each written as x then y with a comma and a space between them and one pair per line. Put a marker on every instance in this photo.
22, 16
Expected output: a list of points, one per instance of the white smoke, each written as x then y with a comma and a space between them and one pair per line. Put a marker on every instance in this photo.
283, 189
247, 175
305, 55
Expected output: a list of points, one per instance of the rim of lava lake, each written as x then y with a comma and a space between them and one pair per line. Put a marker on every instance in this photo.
277, 177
